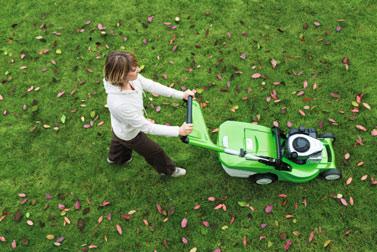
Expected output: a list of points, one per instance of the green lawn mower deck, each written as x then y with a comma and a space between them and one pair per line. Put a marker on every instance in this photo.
265, 154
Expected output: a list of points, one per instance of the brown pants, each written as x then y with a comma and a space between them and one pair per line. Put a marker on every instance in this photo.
121, 151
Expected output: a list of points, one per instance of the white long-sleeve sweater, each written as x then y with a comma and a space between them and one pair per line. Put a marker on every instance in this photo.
127, 109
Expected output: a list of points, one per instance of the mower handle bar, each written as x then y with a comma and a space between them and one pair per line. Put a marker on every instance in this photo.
188, 117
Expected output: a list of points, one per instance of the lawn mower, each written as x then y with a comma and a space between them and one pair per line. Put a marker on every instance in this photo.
265, 154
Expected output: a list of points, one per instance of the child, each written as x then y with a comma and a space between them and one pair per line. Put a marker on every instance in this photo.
124, 87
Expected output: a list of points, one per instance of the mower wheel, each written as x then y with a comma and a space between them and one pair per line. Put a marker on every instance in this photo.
333, 174
264, 179
328, 135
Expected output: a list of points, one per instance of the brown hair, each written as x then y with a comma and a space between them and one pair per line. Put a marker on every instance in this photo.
117, 66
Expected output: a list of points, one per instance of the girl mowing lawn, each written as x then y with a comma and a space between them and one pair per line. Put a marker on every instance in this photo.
124, 87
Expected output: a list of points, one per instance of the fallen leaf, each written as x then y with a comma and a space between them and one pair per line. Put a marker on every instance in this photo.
366, 105
105, 203
274, 63
205, 223
30, 222
196, 207
327, 243
184, 240
361, 127
374, 132
364, 177
351, 201
22, 195
119, 229
349, 181
184, 223
150, 19
268, 209
311, 236
343, 201
14, 244
50, 237
211, 198
256, 76
287, 245
100, 219
347, 156
77, 205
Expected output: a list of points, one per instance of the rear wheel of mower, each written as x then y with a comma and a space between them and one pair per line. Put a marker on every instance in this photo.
328, 135
333, 174
264, 179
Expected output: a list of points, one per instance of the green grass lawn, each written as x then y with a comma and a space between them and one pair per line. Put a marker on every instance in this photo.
215, 47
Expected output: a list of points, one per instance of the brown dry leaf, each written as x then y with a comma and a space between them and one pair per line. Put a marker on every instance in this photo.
361, 163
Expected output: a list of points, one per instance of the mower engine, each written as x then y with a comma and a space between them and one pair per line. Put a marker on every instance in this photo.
302, 146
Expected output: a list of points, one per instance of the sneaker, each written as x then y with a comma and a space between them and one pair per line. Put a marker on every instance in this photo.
178, 172
125, 163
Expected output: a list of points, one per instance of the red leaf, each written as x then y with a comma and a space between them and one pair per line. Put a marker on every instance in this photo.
283, 196
256, 76
343, 201
351, 201
77, 205
119, 229
305, 84
2, 239
218, 206
14, 244
244, 241
150, 19
374, 132
126, 216
211, 198
268, 209
105, 203
287, 245
184, 223
159, 208
196, 207
311, 236
205, 223
101, 27
184, 240
61, 206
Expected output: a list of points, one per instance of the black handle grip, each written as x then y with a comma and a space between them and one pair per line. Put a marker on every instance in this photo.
188, 117
189, 110
277, 140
